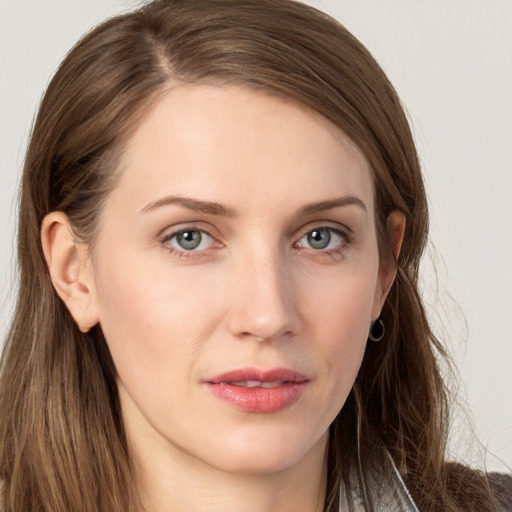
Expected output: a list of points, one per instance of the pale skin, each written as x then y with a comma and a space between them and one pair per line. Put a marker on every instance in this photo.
241, 234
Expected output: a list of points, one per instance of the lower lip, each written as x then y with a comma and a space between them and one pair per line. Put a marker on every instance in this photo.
260, 400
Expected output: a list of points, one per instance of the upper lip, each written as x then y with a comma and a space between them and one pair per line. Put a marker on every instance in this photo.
256, 374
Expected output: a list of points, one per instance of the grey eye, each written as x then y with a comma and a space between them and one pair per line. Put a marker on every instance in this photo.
322, 239
319, 238
191, 240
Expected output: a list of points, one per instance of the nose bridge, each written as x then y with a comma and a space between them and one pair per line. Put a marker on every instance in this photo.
262, 305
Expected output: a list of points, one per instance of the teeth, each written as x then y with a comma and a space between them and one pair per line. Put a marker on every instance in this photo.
256, 384
247, 383
272, 384
251, 383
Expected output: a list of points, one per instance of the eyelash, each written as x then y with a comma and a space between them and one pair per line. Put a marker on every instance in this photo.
339, 250
183, 253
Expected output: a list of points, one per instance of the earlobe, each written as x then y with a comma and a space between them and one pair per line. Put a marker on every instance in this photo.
395, 228
70, 269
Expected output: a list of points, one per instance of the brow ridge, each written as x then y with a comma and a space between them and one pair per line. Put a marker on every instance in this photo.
213, 208
208, 207
332, 203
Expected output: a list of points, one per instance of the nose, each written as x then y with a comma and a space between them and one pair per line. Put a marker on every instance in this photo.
263, 299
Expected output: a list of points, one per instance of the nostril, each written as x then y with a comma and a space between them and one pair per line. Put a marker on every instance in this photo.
262, 337
254, 336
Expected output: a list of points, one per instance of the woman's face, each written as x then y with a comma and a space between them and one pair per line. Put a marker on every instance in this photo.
235, 275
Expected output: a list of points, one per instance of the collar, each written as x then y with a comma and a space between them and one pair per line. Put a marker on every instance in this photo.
383, 488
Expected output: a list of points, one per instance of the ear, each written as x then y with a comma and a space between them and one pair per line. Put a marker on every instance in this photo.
395, 227
70, 269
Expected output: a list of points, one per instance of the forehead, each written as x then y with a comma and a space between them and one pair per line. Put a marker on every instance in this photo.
238, 145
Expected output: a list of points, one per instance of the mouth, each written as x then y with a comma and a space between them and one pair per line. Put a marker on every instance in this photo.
259, 391
255, 383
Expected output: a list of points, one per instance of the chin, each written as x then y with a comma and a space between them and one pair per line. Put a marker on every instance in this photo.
267, 454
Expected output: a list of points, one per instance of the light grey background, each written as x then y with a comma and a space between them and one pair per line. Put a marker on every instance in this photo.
451, 62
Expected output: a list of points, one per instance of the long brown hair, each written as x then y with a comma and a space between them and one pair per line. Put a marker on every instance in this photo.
62, 442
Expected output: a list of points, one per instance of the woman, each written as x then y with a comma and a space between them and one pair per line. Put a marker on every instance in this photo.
221, 223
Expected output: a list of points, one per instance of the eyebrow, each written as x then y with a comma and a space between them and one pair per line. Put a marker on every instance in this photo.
197, 205
212, 208
332, 203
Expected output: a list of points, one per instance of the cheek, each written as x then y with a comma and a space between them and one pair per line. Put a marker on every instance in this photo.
341, 304
338, 319
153, 320
144, 293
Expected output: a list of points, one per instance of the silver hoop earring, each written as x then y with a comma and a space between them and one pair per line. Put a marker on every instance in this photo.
377, 331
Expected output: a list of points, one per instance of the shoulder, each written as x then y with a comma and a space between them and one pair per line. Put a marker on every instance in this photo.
465, 483
383, 487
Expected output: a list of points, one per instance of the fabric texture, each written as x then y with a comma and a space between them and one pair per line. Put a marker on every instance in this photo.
386, 491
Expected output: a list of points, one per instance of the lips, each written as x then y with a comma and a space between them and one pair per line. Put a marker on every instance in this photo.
259, 391
255, 383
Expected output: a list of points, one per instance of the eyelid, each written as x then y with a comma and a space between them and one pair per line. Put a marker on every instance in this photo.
170, 232
203, 234
334, 226
327, 221
175, 229
333, 252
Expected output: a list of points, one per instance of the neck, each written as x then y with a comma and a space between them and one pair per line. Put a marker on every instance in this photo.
174, 481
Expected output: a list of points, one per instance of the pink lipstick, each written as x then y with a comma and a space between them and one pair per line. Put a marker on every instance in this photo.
259, 391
